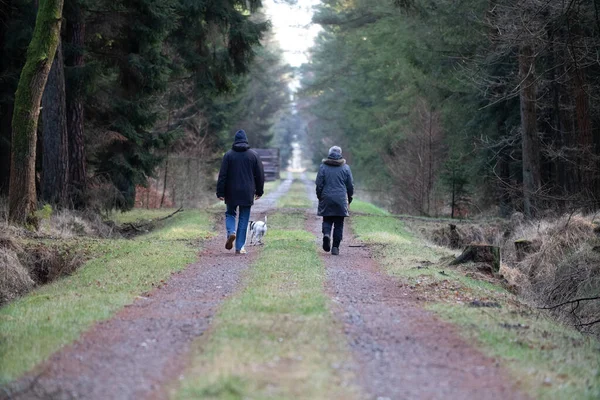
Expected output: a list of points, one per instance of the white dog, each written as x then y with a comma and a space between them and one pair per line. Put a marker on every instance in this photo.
258, 229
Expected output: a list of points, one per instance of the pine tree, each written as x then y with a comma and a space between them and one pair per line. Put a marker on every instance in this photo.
55, 154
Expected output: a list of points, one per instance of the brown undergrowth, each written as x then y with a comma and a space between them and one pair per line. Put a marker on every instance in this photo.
560, 266
62, 242
27, 263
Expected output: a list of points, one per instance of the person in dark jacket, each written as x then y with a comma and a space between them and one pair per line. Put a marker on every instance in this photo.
335, 188
241, 181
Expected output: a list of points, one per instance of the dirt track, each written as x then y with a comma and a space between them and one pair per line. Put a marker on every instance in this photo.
400, 350
403, 351
145, 346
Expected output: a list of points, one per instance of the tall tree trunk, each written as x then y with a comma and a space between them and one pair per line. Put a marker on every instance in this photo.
75, 62
162, 199
5, 134
40, 54
530, 139
584, 136
506, 206
55, 159
430, 159
6, 108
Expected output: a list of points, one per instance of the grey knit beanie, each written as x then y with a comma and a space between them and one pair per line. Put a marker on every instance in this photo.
335, 153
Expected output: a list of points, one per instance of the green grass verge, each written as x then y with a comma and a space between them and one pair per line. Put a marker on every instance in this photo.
39, 324
287, 220
296, 197
276, 339
363, 207
270, 187
548, 360
139, 215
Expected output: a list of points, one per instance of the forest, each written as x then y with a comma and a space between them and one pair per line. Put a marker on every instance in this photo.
133, 85
444, 108
462, 107
466, 264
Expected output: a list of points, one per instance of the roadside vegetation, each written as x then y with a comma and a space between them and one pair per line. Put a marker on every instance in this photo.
275, 339
363, 207
549, 360
118, 270
296, 197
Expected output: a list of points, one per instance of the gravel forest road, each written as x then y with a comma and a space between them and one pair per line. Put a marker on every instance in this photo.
402, 351
143, 348
398, 349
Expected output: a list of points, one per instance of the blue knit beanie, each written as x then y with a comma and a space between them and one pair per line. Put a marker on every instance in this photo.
240, 137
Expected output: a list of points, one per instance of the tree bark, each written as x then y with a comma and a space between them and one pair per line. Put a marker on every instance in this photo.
55, 159
5, 134
584, 135
40, 54
530, 139
75, 113
162, 199
6, 108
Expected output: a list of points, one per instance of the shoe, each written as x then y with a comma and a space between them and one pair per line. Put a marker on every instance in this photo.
230, 240
326, 243
335, 251
241, 251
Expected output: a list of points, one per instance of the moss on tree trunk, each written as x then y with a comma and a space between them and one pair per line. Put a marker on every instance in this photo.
40, 55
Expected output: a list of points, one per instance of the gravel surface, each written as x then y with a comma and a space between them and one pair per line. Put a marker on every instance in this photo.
402, 351
144, 347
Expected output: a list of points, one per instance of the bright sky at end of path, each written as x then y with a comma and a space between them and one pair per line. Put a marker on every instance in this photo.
293, 27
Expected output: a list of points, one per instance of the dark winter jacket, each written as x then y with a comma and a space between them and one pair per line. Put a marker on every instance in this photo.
241, 176
335, 188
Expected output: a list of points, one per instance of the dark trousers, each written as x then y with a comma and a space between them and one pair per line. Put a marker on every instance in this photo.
337, 223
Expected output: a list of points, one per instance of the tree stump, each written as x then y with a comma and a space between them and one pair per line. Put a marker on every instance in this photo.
525, 247
480, 253
454, 237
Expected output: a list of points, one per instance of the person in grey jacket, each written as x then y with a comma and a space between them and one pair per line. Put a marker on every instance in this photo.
335, 188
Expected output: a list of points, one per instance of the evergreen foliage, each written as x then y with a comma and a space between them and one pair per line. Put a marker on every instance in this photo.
152, 78
403, 85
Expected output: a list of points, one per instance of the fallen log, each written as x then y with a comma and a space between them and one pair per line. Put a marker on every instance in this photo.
130, 227
480, 253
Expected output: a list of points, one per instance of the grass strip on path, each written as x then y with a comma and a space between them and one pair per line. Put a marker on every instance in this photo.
295, 197
276, 339
40, 323
548, 359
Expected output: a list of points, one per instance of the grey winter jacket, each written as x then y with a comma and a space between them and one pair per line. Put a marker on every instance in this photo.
335, 188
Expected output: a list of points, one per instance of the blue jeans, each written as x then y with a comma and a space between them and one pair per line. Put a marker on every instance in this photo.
242, 226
